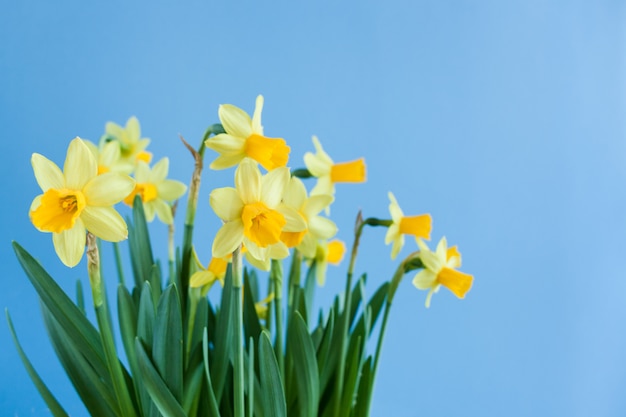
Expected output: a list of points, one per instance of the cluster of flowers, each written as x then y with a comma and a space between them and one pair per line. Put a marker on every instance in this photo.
265, 214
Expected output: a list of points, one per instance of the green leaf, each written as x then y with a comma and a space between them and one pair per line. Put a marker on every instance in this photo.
167, 348
213, 408
146, 316
364, 392
223, 336
139, 244
302, 353
375, 306
55, 408
353, 362
251, 324
80, 298
97, 396
82, 333
274, 404
160, 394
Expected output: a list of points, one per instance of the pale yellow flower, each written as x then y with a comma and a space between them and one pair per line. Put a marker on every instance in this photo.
132, 146
77, 200
327, 172
318, 227
327, 252
440, 269
108, 157
244, 138
418, 226
215, 272
262, 307
253, 213
156, 190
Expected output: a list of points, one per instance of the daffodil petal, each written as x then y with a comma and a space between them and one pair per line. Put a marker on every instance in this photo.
322, 227
226, 203
236, 122
105, 223
225, 143
80, 165
255, 251
163, 211
398, 243
160, 170
114, 130
317, 167
226, 161
424, 279
394, 208
273, 186
308, 246
262, 265
132, 129
256, 116
108, 189
295, 222
227, 239
70, 244
142, 172
278, 251
295, 193
47, 173
442, 249
324, 186
170, 190
248, 181
149, 210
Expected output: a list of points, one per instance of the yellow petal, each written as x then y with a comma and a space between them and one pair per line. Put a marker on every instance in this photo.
295, 193
47, 173
256, 117
163, 211
322, 228
170, 190
70, 244
424, 279
226, 203
353, 171
271, 153
58, 210
248, 181
226, 161
225, 143
227, 239
394, 208
418, 226
262, 225
457, 282
108, 189
273, 186
160, 170
236, 122
292, 239
80, 165
105, 223
336, 250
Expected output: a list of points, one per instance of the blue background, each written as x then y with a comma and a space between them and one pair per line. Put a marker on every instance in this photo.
504, 120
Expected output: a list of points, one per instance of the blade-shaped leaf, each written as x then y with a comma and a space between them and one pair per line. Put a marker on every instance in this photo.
273, 389
302, 353
167, 348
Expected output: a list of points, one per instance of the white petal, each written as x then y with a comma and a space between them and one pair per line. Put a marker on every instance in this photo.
47, 173
226, 203
105, 223
133, 130
236, 122
392, 232
108, 189
257, 127
273, 186
248, 181
398, 243
394, 209
317, 166
170, 190
227, 239
70, 244
80, 165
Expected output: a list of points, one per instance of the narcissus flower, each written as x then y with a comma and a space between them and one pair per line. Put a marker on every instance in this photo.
244, 138
253, 213
440, 269
328, 173
77, 200
156, 191
108, 157
214, 272
318, 227
327, 252
261, 307
418, 226
132, 145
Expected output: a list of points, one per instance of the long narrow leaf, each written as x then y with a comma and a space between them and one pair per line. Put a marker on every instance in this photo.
223, 337
167, 348
302, 353
273, 389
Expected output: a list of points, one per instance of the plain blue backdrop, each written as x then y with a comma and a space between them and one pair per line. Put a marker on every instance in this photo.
504, 120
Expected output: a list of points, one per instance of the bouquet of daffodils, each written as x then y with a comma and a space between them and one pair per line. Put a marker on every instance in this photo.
260, 350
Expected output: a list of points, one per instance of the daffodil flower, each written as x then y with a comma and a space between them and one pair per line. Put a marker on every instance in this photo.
318, 227
327, 252
77, 200
440, 269
418, 226
262, 307
214, 272
132, 146
108, 157
244, 138
156, 191
253, 213
327, 172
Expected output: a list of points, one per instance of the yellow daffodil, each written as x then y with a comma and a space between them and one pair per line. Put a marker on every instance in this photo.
418, 226
327, 252
77, 200
318, 227
214, 272
156, 191
440, 269
261, 307
108, 157
253, 213
132, 146
244, 138
321, 166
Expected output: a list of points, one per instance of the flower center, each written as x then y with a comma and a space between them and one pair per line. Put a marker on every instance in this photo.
58, 210
270, 153
353, 171
457, 282
418, 226
336, 249
146, 191
261, 224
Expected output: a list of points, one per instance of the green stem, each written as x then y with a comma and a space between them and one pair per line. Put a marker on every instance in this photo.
346, 316
276, 277
171, 253
106, 335
294, 277
238, 334
118, 263
193, 308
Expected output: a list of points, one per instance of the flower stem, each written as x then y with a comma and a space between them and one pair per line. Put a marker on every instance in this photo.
238, 334
118, 263
106, 335
276, 277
